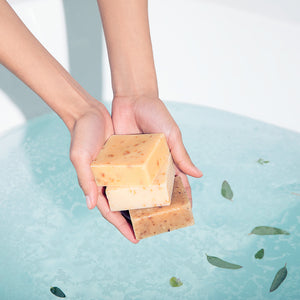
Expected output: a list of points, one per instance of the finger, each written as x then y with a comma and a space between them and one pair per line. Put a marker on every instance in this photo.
180, 155
115, 218
185, 183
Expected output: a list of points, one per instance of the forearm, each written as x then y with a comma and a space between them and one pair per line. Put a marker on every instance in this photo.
22, 54
127, 35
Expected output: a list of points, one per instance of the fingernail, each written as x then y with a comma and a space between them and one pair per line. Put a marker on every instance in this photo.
88, 202
200, 173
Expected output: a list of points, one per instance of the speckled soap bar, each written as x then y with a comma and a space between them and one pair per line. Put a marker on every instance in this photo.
134, 197
130, 159
152, 221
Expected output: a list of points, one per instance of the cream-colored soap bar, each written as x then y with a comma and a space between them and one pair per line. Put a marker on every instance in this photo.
133, 197
130, 159
151, 221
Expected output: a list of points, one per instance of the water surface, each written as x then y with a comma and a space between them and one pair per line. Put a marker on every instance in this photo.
49, 237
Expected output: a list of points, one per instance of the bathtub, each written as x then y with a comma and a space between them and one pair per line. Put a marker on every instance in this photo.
50, 238
237, 56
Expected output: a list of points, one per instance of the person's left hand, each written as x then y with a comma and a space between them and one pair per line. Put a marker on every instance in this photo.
132, 115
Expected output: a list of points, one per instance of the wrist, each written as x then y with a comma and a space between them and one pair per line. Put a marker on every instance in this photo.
134, 85
126, 105
77, 106
136, 93
134, 81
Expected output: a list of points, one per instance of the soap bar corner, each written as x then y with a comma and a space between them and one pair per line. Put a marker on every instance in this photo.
152, 221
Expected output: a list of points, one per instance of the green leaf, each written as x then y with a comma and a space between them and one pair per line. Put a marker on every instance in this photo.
221, 263
57, 292
262, 162
175, 282
259, 254
278, 279
226, 190
267, 230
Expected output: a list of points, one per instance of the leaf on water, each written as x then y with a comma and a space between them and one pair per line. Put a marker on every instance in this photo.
278, 279
262, 162
259, 254
226, 190
267, 230
57, 292
175, 282
221, 263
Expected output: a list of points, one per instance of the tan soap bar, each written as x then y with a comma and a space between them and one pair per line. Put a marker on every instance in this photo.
151, 221
133, 197
130, 159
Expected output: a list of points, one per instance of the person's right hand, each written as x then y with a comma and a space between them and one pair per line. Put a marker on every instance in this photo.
88, 135
87, 119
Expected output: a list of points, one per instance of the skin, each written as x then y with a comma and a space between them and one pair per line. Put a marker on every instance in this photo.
136, 106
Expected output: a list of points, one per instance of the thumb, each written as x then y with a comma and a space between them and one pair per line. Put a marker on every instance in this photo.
181, 156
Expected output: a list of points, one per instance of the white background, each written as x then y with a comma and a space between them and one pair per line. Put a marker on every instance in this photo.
241, 56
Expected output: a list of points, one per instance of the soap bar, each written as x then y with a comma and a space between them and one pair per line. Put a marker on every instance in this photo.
151, 221
130, 159
159, 193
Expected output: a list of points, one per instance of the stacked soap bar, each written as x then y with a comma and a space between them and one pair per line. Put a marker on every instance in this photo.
138, 173
130, 160
151, 221
141, 196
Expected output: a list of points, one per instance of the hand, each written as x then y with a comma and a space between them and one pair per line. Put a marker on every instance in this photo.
149, 115
88, 135
87, 119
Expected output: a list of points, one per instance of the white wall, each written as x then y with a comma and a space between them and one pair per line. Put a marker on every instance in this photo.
17, 102
241, 56
71, 31
238, 55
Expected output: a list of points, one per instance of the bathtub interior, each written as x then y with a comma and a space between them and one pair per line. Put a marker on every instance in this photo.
49, 237
238, 56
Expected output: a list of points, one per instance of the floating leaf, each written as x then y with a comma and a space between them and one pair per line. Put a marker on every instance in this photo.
221, 263
278, 279
261, 161
267, 230
57, 292
175, 282
260, 254
226, 190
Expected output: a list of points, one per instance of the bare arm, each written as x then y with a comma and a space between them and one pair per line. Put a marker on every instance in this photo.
22, 54
127, 34
136, 105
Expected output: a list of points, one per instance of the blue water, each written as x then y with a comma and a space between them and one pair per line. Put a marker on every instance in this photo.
49, 237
